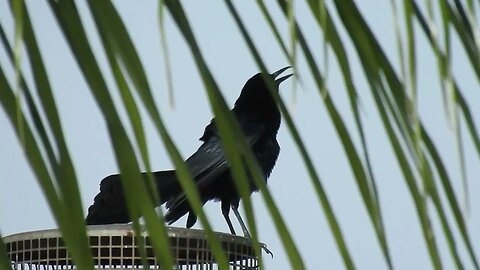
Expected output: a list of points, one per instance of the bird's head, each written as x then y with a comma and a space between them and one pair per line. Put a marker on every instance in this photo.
256, 96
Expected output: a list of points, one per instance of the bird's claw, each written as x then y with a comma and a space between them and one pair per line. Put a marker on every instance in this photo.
264, 247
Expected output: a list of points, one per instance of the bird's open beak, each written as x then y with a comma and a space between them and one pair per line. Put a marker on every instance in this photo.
280, 71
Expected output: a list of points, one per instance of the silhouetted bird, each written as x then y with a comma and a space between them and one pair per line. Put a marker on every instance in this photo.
259, 119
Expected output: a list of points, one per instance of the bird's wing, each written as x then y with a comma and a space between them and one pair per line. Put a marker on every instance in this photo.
209, 161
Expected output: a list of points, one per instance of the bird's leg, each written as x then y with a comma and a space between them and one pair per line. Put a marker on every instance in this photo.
240, 220
226, 212
245, 230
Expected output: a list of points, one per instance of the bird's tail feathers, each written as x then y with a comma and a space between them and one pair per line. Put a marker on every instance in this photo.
110, 206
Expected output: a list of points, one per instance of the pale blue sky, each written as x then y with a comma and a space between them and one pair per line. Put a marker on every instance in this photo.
23, 208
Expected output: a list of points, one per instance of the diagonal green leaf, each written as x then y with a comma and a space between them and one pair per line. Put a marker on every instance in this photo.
64, 172
276, 33
228, 127
462, 27
446, 183
4, 260
138, 201
17, 11
39, 168
413, 188
432, 191
469, 120
132, 63
135, 119
445, 61
398, 37
165, 53
452, 200
365, 180
365, 44
292, 251
32, 107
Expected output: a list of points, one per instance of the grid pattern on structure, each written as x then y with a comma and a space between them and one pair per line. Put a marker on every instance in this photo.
119, 249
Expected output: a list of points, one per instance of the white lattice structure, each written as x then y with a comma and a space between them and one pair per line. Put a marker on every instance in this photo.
115, 247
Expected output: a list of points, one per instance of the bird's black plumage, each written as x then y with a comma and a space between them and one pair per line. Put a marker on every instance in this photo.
259, 119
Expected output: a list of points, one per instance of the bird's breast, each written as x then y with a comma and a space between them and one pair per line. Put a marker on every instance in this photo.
266, 152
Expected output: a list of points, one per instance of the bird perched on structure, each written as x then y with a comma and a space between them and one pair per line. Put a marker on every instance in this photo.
259, 119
